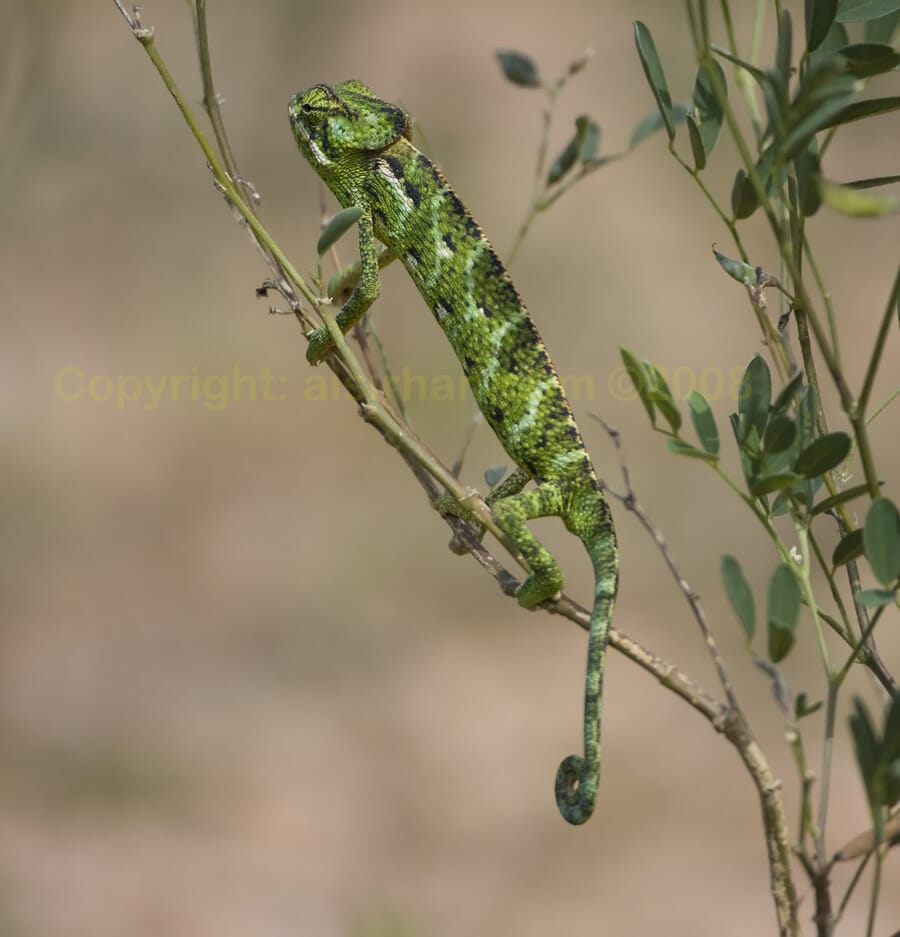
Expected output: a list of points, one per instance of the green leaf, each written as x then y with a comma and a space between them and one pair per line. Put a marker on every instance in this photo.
873, 183
814, 109
803, 707
680, 447
589, 143
855, 11
704, 422
653, 121
707, 115
881, 539
519, 68
891, 735
865, 743
743, 196
783, 49
787, 394
740, 595
823, 454
865, 59
662, 397
564, 162
697, 150
883, 28
641, 381
582, 147
339, 225
780, 434
849, 548
873, 598
819, 17
655, 75
856, 203
778, 481
755, 396
493, 475
763, 79
836, 39
781, 612
859, 110
736, 269
840, 498
809, 172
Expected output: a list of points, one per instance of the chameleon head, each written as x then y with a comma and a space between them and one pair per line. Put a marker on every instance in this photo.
334, 123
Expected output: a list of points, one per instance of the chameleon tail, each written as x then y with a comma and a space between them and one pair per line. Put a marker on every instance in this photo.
578, 776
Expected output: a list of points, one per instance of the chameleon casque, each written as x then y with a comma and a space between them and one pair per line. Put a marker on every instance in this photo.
361, 147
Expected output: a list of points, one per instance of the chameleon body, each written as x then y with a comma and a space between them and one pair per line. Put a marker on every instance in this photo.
361, 147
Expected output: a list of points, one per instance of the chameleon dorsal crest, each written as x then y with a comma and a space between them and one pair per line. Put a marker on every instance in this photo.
360, 145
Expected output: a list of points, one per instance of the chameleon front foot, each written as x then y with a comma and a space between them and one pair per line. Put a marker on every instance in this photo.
576, 790
320, 344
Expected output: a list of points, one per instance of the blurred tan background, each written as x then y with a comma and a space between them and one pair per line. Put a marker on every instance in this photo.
245, 688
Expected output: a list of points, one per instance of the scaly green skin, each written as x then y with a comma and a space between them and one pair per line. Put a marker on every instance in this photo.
360, 146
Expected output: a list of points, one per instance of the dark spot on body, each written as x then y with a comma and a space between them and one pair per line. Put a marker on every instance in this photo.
488, 314
414, 254
448, 240
456, 206
496, 415
415, 196
396, 166
467, 364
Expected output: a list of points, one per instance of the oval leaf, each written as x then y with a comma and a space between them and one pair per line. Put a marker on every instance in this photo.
641, 381
781, 612
819, 17
842, 496
849, 548
493, 475
881, 540
662, 397
337, 227
873, 598
823, 454
775, 482
519, 68
743, 196
704, 423
780, 433
655, 75
755, 396
856, 11
855, 202
740, 595
865, 59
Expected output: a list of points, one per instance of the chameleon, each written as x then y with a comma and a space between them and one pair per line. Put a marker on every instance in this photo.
361, 146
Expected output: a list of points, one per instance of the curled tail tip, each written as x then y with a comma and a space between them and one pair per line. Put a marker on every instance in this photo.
576, 790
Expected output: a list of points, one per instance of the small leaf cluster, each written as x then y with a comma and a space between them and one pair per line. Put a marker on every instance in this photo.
878, 757
819, 93
784, 462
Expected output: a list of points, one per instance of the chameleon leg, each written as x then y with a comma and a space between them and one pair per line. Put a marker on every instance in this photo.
513, 513
364, 293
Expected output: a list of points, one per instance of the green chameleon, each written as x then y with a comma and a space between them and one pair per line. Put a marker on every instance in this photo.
360, 146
